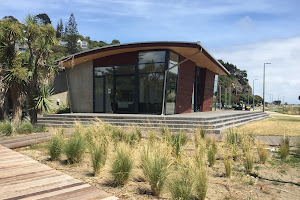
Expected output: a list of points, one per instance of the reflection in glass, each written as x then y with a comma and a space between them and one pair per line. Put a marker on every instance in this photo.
124, 70
172, 84
151, 67
152, 56
150, 92
101, 71
125, 94
99, 94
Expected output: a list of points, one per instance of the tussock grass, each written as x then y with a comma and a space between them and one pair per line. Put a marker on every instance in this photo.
232, 136
154, 162
122, 164
98, 157
201, 182
75, 148
228, 166
6, 128
248, 161
181, 186
200, 152
262, 153
130, 136
25, 127
284, 148
212, 151
56, 145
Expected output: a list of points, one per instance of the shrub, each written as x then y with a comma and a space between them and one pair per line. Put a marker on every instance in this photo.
262, 153
65, 108
122, 164
182, 185
75, 148
56, 145
25, 127
247, 142
200, 152
6, 128
201, 182
248, 161
155, 168
98, 157
228, 166
298, 149
284, 148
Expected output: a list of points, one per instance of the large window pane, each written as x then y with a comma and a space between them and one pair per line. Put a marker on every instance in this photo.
124, 70
172, 84
151, 67
99, 94
109, 95
152, 56
151, 86
101, 71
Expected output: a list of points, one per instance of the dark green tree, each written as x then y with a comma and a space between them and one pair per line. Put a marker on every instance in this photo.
60, 29
115, 42
72, 35
43, 19
10, 18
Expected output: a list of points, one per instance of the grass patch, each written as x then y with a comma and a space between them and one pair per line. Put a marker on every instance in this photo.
275, 125
56, 144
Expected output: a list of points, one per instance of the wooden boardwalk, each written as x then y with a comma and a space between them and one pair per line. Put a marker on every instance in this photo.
24, 178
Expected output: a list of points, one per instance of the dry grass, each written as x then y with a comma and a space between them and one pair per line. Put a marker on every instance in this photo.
276, 125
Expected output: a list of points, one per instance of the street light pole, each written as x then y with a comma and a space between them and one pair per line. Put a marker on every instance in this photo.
253, 94
264, 85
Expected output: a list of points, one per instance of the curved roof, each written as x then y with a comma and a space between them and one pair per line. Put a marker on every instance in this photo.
186, 49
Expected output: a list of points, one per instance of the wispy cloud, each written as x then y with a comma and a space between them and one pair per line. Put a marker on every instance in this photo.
282, 75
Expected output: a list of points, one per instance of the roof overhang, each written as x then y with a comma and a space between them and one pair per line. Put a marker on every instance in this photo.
186, 49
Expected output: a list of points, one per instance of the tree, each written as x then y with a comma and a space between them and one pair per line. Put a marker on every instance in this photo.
10, 18
60, 29
115, 42
72, 35
43, 19
40, 39
14, 73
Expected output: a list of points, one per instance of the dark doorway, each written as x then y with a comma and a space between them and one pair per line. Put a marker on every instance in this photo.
198, 93
124, 96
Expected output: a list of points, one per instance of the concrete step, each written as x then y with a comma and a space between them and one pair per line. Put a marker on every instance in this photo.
216, 126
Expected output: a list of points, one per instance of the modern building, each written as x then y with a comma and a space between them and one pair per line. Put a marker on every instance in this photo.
146, 77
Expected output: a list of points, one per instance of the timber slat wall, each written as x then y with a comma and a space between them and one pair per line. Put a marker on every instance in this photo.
24, 178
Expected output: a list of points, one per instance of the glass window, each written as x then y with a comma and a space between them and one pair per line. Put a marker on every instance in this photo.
172, 84
124, 70
151, 87
101, 71
151, 67
152, 56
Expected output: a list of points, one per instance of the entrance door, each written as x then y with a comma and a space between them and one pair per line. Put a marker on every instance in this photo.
99, 94
124, 99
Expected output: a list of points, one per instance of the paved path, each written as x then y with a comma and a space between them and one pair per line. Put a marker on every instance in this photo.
24, 178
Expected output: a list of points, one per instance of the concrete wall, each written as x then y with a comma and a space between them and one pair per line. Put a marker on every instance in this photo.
185, 86
80, 79
208, 78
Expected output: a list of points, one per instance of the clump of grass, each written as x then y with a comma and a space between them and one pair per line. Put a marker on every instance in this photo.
298, 149
130, 136
155, 168
212, 151
262, 153
228, 166
6, 128
247, 142
177, 142
166, 134
98, 157
182, 185
151, 138
75, 148
56, 145
201, 182
25, 127
122, 164
284, 148
232, 136
248, 161
200, 152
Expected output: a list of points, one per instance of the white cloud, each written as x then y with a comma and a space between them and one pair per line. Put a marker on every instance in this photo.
282, 75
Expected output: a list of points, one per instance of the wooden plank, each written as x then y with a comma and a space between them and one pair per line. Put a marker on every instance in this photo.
23, 178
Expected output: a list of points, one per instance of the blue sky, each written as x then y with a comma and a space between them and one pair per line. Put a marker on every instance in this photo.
245, 33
